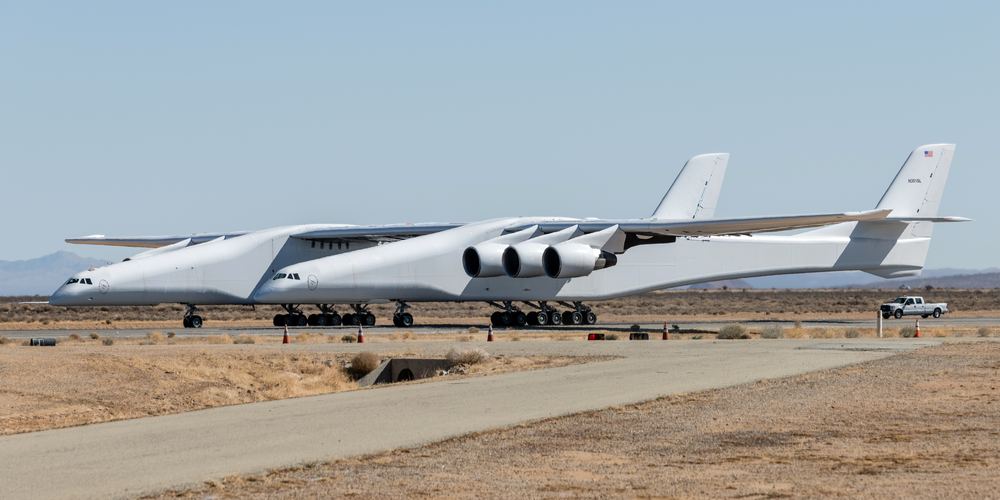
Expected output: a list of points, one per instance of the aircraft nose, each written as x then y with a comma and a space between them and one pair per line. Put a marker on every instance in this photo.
64, 296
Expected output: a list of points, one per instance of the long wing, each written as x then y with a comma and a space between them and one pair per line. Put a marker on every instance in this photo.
716, 227
150, 241
380, 233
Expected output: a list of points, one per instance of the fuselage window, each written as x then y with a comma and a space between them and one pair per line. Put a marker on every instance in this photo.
279, 276
72, 280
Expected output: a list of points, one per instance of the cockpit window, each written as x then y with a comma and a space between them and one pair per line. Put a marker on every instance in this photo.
297, 276
279, 276
72, 280
89, 282
291, 276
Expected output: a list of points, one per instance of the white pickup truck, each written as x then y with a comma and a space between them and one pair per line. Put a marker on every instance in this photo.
909, 306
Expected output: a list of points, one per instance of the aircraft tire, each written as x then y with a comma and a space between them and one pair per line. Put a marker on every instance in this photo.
590, 318
555, 318
396, 322
369, 319
520, 319
322, 320
495, 318
567, 317
301, 320
311, 320
532, 318
279, 319
899, 313
406, 319
541, 319
334, 320
356, 319
937, 313
196, 322
576, 317
506, 318
187, 323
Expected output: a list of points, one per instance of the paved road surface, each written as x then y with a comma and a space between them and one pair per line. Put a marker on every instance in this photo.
418, 329
130, 458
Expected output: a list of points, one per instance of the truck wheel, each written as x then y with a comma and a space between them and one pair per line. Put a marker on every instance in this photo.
937, 313
924, 316
885, 315
899, 313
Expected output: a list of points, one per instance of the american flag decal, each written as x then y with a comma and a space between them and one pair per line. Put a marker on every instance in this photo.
928, 154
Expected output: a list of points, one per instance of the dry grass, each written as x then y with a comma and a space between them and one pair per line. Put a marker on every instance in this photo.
471, 356
733, 331
772, 332
363, 363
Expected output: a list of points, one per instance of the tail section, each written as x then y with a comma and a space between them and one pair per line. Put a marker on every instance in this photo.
897, 246
695, 192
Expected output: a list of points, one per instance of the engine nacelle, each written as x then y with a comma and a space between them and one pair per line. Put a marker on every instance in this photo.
484, 260
524, 260
573, 260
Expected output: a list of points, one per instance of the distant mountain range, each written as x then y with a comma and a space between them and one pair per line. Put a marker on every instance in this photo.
43, 275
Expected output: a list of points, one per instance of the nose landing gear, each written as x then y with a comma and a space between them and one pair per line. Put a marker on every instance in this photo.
192, 320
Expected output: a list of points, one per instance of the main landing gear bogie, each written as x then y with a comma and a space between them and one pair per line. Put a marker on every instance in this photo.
509, 315
401, 318
192, 320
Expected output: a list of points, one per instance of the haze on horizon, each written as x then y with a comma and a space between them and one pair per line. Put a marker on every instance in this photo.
139, 119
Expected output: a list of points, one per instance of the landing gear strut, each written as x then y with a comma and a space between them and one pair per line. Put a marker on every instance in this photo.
359, 316
400, 318
509, 315
192, 320
293, 318
580, 315
327, 317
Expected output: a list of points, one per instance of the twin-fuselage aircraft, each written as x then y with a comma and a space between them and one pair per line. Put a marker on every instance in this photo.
551, 265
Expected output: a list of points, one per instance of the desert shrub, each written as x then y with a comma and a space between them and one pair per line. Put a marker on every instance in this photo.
107, 322
733, 331
303, 338
108, 341
4, 340
798, 323
772, 332
46, 321
515, 339
156, 336
984, 331
95, 335
243, 339
75, 337
469, 356
171, 335
363, 363
465, 338
634, 327
473, 329
852, 333
611, 336
907, 331
216, 339
349, 338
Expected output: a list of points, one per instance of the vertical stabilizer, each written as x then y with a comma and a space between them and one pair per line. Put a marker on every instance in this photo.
695, 192
916, 190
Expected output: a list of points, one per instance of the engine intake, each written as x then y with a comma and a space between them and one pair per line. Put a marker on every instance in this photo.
484, 260
572, 260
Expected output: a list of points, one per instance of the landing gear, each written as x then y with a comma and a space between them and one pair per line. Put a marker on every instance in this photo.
327, 317
400, 318
510, 315
361, 316
192, 320
293, 318
580, 315
546, 316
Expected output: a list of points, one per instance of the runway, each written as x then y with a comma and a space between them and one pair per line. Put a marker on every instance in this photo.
129, 458
462, 328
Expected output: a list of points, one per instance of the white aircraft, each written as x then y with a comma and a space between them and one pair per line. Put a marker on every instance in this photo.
531, 260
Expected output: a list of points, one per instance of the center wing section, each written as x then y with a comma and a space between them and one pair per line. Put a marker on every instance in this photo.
377, 233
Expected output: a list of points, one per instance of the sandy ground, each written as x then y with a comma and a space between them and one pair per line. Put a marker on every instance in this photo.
920, 424
77, 383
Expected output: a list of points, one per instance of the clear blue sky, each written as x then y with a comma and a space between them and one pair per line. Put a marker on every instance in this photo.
139, 118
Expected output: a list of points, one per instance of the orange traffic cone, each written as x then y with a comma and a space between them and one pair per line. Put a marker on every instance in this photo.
286, 340
489, 338
361, 334
666, 334
918, 328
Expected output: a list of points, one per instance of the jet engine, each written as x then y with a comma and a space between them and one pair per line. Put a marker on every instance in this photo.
573, 260
485, 259
524, 260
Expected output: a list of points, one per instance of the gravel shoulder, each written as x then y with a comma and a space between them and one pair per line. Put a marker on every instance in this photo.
918, 424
